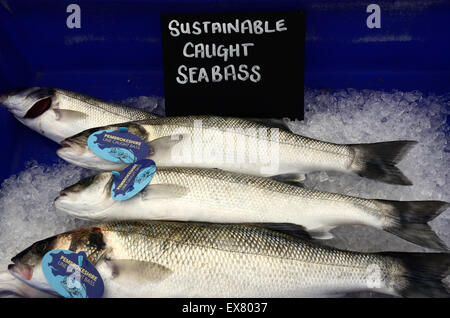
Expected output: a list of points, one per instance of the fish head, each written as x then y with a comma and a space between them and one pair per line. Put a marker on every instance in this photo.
27, 265
75, 149
38, 109
28, 103
89, 198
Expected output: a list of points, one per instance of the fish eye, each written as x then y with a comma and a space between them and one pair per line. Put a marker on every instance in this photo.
87, 181
40, 247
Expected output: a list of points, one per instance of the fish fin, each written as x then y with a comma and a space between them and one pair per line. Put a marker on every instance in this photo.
290, 178
69, 115
160, 146
163, 191
280, 123
147, 271
322, 233
422, 274
377, 161
294, 183
295, 230
408, 220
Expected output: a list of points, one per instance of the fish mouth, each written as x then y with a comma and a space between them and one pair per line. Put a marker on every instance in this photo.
60, 203
70, 146
66, 143
17, 91
71, 142
63, 193
67, 202
72, 152
21, 271
64, 197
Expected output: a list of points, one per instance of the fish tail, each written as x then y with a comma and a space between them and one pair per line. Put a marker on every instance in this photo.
377, 161
421, 274
408, 220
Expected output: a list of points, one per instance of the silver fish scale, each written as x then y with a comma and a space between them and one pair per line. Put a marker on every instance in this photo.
204, 182
87, 104
167, 125
242, 260
247, 139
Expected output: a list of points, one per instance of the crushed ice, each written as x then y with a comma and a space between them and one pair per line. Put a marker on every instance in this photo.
353, 116
27, 213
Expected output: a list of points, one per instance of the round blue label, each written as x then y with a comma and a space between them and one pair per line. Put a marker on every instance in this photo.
71, 274
119, 146
132, 179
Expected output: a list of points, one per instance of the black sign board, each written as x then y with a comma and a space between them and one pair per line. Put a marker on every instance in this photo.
234, 64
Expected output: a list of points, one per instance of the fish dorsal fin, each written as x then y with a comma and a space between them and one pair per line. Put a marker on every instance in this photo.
163, 191
290, 178
145, 271
295, 230
273, 123
69, 115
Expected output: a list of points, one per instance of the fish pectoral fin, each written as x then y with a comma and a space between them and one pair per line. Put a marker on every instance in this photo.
69, 115
161, 145
145, 271
322, 233
163, 191
290, 178
288, 228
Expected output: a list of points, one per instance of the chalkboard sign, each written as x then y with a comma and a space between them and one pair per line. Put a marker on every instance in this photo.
234, 64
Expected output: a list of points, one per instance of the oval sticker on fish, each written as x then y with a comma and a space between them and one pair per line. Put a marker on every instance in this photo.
132, 179
119, 146
71, 274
